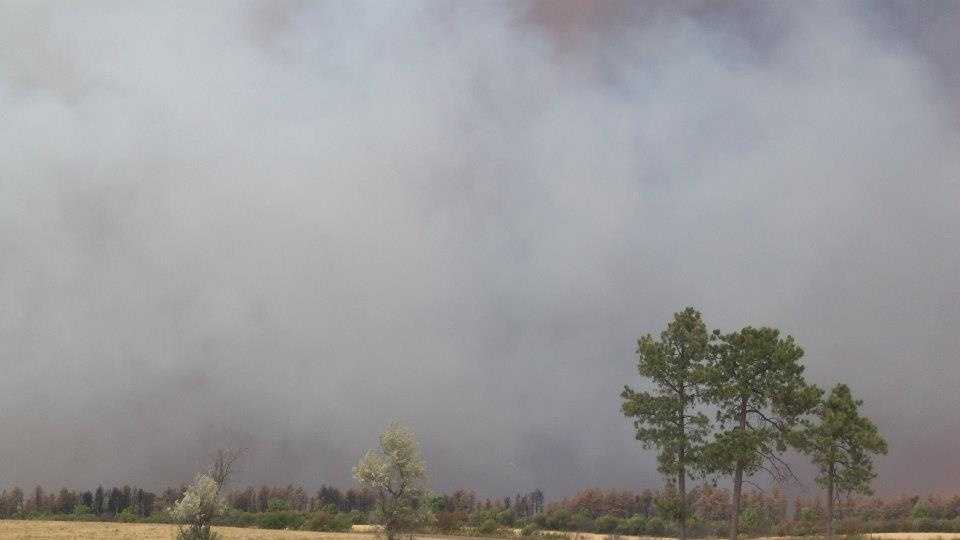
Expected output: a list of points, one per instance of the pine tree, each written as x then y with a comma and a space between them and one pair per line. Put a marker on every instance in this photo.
842, 443
666, 418
756, 383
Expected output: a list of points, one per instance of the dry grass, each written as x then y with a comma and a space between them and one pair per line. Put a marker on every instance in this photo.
597, 536
913, 536
61, 530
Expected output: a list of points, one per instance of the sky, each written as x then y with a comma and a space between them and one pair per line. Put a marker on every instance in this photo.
281, 225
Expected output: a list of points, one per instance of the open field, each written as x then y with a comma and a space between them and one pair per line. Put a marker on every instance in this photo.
914, 536
59, 530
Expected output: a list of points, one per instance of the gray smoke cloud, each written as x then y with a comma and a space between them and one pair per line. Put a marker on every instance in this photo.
280, 225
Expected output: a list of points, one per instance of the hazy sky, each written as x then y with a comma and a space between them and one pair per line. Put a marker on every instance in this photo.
280, 225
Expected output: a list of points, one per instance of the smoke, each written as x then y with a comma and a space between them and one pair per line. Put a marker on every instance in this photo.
280, 225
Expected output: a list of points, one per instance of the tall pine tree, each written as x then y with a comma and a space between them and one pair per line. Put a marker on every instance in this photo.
666, 418
842, 443
755, 380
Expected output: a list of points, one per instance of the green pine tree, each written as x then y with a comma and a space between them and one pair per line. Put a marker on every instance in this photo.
842, 443
755, 380
666, 417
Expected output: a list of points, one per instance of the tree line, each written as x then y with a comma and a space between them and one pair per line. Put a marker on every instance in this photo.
100, 502
114, 501
604, 511
763, 513
751, 383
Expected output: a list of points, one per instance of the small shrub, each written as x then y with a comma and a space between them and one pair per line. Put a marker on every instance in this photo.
784, 528
581, 521
925, 525
851, 526
634, 526
359, 518
698, 528
278, 505
281, 520
754, 521
488, 527
328, 522
558, 520
529, 529
238, 518
197, 534
656, 526
606, 524
450, 521
128, 516
163, 516
81, 510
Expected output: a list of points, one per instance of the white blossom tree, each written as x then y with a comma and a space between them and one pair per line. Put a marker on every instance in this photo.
198, 507
396, 473
201, 503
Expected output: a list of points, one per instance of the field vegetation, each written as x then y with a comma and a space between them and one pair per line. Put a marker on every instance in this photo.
61, 530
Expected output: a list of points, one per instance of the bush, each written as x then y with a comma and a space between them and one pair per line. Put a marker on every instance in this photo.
238, 518
851, 525
450, 521
529, 529
785, 528
634, 526
81, 510
656, 526
606, 524
128, 516
162, 516
278, 505
697, 528
754, 521
506, 518
488, 527
926, 525
197, 534
359, 518
581, 521
281, 520
328, 522
558, 519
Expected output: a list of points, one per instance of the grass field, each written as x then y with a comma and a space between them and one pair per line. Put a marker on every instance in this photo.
61, 530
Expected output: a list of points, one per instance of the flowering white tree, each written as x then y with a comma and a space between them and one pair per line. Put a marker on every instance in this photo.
198, 507
396, 473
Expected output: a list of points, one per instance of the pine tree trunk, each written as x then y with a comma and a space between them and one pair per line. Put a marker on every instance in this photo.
682, 476
738, 479
830, 503
737, 492
682, 485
